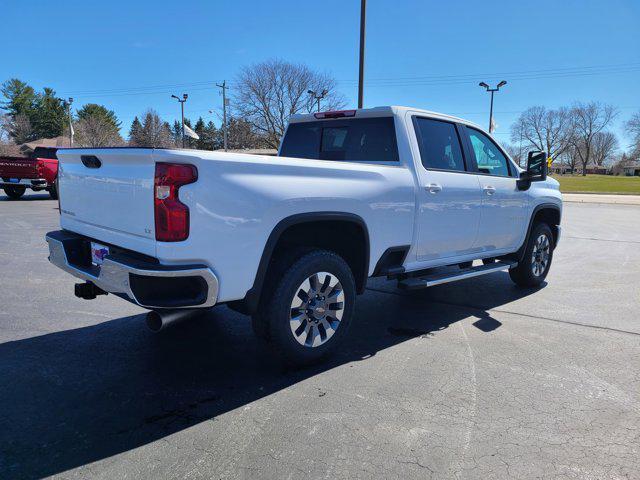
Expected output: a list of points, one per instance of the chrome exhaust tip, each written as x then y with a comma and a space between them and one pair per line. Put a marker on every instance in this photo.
161, 319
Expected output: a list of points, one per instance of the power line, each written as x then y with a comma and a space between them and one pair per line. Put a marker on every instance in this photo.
459, 81
540, 74
147, 87
542, 71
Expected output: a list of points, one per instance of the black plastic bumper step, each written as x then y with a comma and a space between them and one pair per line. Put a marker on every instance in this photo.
433, 279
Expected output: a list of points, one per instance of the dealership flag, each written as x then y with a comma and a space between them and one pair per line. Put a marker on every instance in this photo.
190, 133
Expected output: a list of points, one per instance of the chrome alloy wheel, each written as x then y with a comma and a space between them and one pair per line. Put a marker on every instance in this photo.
540, 255
316, 309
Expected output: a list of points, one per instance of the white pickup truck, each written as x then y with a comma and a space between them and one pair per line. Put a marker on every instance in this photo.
291, 240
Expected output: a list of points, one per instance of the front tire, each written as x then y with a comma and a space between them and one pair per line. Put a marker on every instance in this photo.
536, 261
308, 313
14, 192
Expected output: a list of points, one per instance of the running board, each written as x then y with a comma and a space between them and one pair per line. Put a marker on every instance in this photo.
414, 283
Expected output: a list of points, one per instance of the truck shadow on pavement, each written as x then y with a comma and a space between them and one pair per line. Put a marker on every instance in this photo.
74, 397
27, 197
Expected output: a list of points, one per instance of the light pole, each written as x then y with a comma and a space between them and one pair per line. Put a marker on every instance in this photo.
70, 122
363, 11
184, 99
317, 97
492, 90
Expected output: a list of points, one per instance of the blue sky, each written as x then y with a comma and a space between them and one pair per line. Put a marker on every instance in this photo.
430, 54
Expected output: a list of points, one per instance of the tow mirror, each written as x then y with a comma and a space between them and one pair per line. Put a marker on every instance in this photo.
536, 169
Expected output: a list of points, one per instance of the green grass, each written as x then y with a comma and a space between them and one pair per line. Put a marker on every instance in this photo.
598, 184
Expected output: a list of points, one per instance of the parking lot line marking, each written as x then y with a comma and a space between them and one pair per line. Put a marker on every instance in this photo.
603, 239
474, 407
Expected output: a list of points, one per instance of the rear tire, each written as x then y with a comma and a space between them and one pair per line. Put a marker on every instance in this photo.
14, 192
308, 311
536, 260
53, 191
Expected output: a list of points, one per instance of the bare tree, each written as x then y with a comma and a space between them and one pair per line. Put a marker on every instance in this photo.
543, 129
633, 129
242, 135
7, 146
154, 133
268, 93
588, 120
94, 131
570, 158
516, 153
18, 128
604, 145
5, 121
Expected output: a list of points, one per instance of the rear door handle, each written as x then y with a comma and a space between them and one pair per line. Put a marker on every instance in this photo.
489, 190
434, 188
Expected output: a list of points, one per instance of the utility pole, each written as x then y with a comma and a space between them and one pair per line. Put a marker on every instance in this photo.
363, 10
317, 97
70, 121
224, 112
184, 99
492, 90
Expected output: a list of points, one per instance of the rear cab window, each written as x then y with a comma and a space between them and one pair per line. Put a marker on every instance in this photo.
350, 140
44, 152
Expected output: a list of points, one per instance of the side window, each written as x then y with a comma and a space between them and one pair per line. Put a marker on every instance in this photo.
489, 158
439, 145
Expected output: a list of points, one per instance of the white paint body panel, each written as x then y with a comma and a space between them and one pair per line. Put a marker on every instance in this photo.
239, 199
504, 210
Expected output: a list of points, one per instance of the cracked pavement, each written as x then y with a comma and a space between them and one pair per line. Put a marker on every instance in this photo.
477, 379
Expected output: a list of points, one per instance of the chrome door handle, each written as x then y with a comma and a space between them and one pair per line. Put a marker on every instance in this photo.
489, 190
434, 188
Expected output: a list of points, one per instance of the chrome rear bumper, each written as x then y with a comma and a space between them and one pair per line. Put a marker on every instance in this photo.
118, 272
26, 182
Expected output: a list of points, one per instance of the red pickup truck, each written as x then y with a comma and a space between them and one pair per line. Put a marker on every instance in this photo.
38, 172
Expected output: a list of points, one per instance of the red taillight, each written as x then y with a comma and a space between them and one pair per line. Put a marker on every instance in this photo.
172, 216
39, 167
335, 114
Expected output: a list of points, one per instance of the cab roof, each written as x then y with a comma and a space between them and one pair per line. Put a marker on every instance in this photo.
385, 111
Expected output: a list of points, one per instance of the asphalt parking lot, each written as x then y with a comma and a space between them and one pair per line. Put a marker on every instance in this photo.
477, 379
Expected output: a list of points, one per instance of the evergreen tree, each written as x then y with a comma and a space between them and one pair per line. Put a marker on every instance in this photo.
188, 141
49, 115
20, 98
97, 127
95, 110
200, 129
154, 132
214, 136
176, 133
135, 132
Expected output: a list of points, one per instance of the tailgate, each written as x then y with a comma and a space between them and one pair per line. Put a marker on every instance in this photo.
18, 168
110, 199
